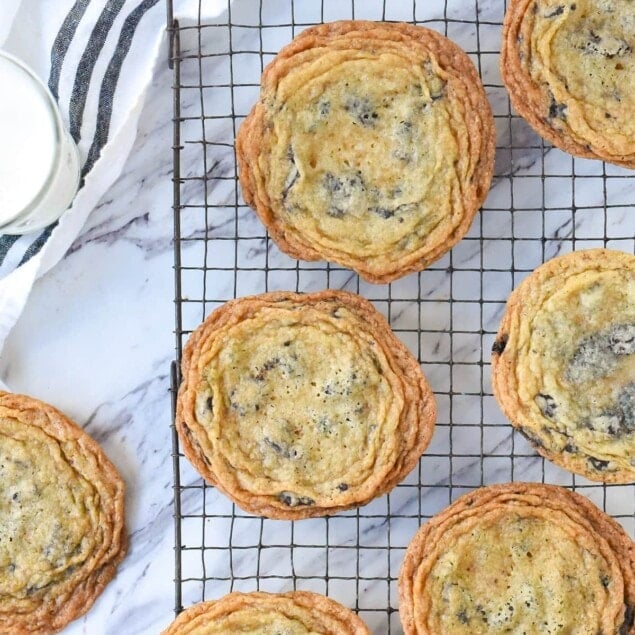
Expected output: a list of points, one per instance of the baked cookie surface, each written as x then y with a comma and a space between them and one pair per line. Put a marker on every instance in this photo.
563, 364
301, 405
62, 529
569, 68
519, 558
294, 613
372, 145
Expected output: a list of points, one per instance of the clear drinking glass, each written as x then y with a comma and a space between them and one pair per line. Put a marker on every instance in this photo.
39, 162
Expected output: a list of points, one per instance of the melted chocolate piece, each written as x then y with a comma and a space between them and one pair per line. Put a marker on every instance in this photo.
598, 464
362, 110
292, 500
499, 345
556, 12
547, 405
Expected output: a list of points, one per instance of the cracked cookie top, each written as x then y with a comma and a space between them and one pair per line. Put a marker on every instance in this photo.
519, 558
294, 613
372, 146
301, 405
62, 518
564, 362
570, 71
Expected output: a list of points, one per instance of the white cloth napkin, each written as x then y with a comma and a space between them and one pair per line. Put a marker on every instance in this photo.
97, 57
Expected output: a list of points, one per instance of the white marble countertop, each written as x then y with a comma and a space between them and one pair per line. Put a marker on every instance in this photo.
96, 337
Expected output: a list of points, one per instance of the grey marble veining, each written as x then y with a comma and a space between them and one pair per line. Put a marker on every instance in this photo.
96, 338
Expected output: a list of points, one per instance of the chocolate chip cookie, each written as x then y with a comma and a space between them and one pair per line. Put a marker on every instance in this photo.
569, 68
62, 529
372, 146
563, 363
519, 558
301, 405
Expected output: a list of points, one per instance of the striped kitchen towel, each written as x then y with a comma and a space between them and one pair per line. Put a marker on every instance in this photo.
97, 57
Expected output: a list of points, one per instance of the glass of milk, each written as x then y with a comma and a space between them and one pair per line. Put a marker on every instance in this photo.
39, 162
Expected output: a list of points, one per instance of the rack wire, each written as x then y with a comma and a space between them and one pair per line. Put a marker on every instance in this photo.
542, 203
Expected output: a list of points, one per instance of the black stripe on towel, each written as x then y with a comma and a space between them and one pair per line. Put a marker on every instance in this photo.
37, 244
62, 43
109, 83
6, 242
87, 63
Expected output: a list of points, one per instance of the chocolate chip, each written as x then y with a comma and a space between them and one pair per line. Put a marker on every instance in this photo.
342, 487
462, 616
332, 183
361, 108
284, 450
598, 464
556, 12
210, 404
608, 46
292, 500
292, 176
270, 364
235, 406
384, 212
605, 580
276, 447
287, 343
324, 108
499, 345
547, 405
557, 110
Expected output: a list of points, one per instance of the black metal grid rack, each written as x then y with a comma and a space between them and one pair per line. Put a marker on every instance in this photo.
542, 203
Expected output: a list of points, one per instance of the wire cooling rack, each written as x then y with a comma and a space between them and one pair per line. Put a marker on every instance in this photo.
542, 203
